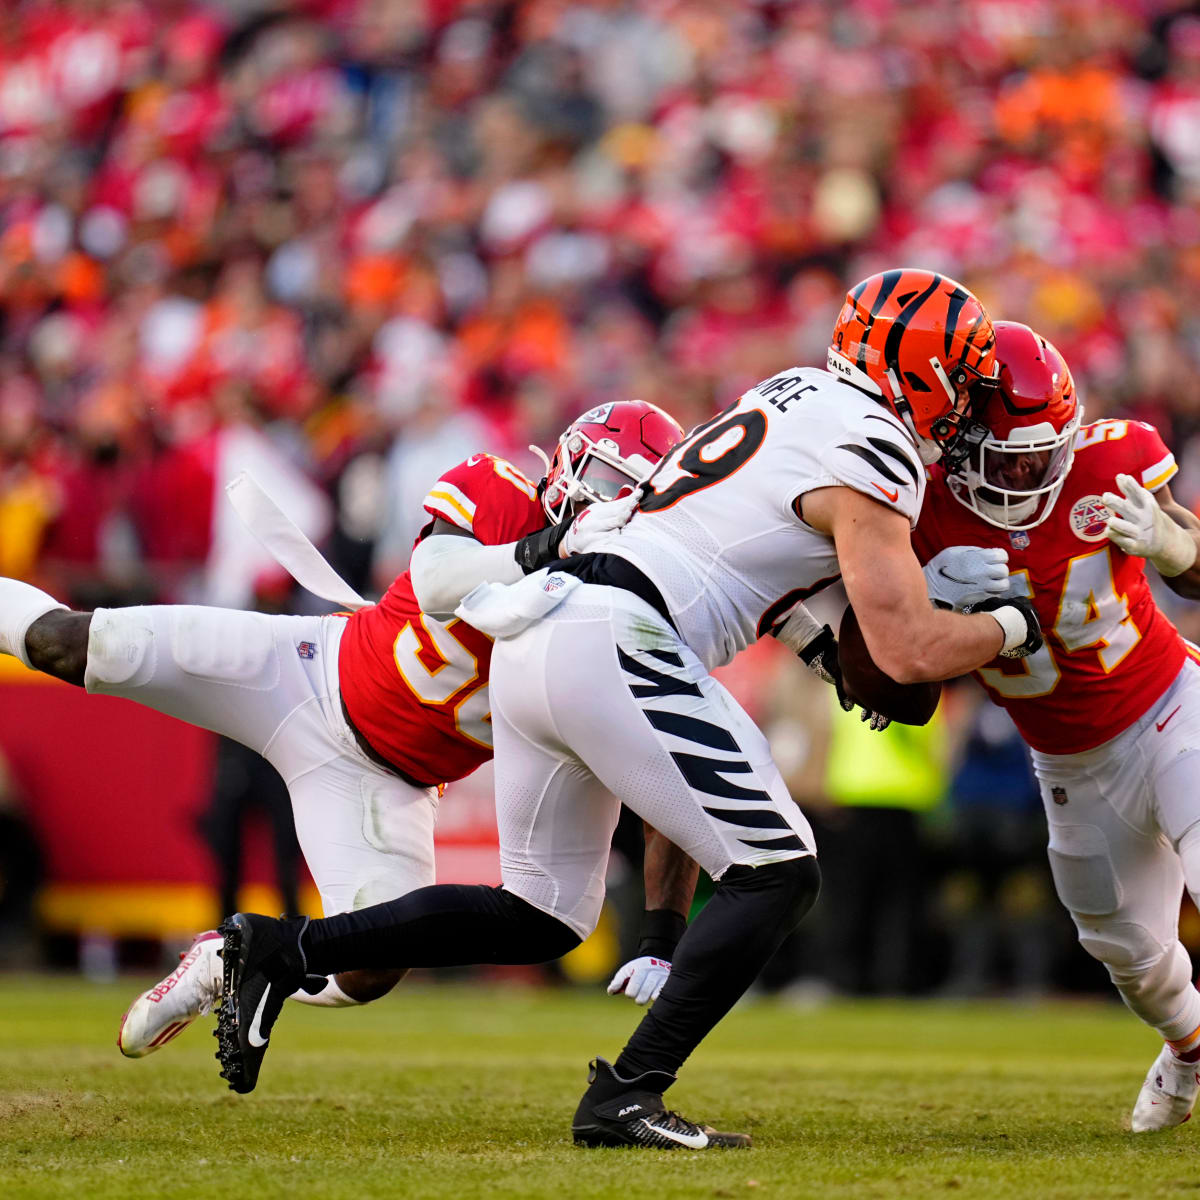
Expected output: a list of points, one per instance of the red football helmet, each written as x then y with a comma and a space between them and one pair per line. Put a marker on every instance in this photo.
605, 454
922, 344
1013, 478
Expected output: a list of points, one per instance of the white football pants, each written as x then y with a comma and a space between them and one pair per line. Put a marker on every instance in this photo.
1124, 837
602, 690
271, 683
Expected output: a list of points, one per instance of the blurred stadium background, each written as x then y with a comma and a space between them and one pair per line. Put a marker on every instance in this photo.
346, 243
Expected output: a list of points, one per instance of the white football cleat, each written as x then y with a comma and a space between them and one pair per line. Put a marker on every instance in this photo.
172, 1004
1168, 1094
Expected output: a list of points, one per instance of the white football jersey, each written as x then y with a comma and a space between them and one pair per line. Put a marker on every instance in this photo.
718, 532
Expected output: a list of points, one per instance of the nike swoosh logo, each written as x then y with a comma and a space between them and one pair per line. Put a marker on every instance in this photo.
253, 1036
1163, 726
884, 492
951, 578
693, 1141
474, 459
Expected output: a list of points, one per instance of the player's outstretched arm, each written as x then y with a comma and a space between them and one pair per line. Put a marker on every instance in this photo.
909, 639
1156, 527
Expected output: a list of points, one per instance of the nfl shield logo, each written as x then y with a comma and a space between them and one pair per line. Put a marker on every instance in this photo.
306, 649
1058, 795
1019, 540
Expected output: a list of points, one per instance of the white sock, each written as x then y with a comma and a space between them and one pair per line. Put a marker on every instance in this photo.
330, 996
20, 605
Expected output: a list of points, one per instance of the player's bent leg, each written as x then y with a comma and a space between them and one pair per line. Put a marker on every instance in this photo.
752, 910
367, 837
669, 741
1122, 887
236, 673
163, 1012
266, 960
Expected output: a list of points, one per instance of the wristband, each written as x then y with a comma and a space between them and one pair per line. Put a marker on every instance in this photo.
537, 550
1013, 624
661, 930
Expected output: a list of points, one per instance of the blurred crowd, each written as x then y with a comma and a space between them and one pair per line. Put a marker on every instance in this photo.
402, 230
365, 238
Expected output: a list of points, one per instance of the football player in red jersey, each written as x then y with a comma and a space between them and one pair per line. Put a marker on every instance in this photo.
1110, 705
365, 715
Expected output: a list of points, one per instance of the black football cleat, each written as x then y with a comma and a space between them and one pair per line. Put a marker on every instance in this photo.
631, 1112
263, 965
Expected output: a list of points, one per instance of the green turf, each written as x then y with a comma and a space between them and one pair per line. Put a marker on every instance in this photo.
465, 1092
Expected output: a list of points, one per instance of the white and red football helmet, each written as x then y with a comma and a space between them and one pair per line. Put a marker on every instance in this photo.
1013, 478
604, 454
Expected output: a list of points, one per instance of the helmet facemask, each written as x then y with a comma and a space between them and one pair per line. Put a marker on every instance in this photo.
1013, 483
586, 471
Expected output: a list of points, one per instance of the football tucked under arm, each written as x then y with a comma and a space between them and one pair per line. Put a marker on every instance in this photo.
868, 686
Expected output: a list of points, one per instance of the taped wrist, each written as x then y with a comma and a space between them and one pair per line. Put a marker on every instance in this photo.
661, 930
1013, 624
799, 630
537, 550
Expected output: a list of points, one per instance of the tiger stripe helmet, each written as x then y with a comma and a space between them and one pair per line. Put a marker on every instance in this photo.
925, 346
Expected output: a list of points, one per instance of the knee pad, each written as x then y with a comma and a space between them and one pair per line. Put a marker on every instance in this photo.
1126, 949
1158, 990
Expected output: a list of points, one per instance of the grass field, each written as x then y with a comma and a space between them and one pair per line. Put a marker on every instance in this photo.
468, 1092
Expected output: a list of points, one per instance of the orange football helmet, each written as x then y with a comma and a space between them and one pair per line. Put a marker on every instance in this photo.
924, 345
1012, 479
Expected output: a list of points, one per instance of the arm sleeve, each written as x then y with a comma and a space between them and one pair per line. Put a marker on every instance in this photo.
445, 567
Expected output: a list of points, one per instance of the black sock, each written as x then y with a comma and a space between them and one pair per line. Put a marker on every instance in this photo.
720, 956
449, 925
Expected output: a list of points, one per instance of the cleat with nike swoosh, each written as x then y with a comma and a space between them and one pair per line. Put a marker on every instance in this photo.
263, 965
630, 1112
1167, 1095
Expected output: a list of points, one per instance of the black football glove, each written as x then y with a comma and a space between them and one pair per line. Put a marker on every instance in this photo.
537, 550
1019, 607
820, 656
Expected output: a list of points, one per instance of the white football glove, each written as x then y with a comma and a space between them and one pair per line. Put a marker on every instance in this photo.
641, 979
962, 575
597, 521
1141, 528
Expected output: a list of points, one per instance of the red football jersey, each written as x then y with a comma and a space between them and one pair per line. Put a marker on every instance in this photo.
416, 688
1109, 651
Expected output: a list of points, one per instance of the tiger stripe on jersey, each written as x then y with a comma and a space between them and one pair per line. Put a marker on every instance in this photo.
1155, 476
452, 503
880, 466
750, 810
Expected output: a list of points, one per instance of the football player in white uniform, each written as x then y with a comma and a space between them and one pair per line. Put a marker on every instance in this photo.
601, 672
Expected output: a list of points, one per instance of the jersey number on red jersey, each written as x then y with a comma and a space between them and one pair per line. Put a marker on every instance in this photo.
1091, 616
454, 677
